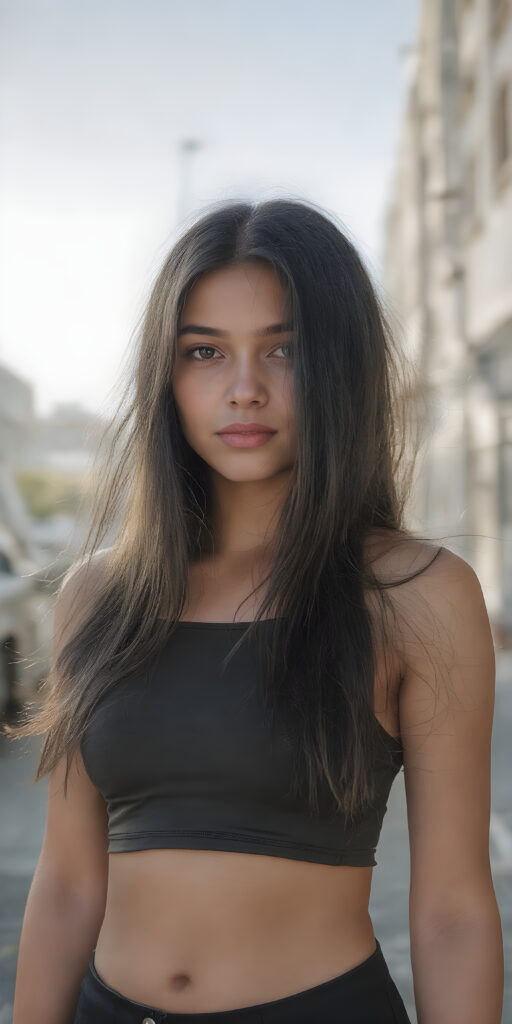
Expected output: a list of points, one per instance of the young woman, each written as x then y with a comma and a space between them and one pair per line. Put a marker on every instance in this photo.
238, 679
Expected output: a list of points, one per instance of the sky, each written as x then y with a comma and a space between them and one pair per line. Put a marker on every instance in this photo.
297, 98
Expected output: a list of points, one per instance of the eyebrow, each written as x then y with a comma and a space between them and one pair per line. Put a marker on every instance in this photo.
217, 333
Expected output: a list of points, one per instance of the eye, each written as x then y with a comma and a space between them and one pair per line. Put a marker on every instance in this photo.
189, 352
199, 348
288, 345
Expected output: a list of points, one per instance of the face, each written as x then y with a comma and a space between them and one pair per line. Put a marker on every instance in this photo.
233, 365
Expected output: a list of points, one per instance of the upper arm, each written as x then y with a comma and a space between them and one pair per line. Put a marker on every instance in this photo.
446, 708
74, 849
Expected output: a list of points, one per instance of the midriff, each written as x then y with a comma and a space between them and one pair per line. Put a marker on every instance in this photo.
207, 930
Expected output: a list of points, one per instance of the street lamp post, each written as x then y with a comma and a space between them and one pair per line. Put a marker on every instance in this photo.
186, 150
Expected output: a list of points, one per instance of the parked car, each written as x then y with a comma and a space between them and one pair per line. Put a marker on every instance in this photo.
25, 625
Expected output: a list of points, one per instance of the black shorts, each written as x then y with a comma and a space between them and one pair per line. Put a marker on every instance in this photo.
366, 994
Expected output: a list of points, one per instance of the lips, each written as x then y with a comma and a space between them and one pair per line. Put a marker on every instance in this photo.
246, 428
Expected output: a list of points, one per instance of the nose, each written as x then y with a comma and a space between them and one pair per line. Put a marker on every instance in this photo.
247, 385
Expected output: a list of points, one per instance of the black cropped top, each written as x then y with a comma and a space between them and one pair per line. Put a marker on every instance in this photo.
188, 762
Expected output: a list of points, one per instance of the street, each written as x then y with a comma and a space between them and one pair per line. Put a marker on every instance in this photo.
23, 809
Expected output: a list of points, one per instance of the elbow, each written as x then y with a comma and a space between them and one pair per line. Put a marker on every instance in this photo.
480, 915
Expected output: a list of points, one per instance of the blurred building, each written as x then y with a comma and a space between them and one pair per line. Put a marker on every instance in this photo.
16, 419
65, 441
16, 416
448, 273
67, 438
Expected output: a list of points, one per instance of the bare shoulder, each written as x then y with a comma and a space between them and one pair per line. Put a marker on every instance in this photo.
444, 638
401, 566
393, 556
79, 588
444, 587
87, 569
413, 569
436, 597
445, 626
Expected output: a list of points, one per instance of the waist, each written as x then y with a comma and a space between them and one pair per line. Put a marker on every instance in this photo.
214, 924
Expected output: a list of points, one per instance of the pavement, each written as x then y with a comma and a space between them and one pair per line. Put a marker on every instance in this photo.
23, 814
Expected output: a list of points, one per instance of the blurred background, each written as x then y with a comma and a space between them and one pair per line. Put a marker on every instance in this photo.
118, 122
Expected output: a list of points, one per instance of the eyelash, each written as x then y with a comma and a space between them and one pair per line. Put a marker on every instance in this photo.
188, 352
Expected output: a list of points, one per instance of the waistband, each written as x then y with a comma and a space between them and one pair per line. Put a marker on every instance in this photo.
352, 983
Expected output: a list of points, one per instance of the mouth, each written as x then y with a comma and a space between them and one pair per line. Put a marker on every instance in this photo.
246, 428
246, 438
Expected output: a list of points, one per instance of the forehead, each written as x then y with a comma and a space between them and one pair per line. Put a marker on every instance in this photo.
240, 292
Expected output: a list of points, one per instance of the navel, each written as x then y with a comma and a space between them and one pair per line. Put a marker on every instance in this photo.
180, 981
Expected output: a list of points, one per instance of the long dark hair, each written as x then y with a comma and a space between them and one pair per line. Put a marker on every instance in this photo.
359, 407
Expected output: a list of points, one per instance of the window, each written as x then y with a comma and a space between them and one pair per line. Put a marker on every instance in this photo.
467, 88
5, 564
498, 11
506, 482
470, 190
501, 125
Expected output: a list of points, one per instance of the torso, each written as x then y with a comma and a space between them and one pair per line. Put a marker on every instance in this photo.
206, 930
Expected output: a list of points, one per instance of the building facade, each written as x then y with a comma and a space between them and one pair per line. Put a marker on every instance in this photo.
448, 274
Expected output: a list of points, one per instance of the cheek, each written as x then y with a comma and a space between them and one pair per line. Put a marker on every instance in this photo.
287, 399
190, 399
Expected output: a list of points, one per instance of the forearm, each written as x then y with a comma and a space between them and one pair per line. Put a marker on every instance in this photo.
458, 971
58, 935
